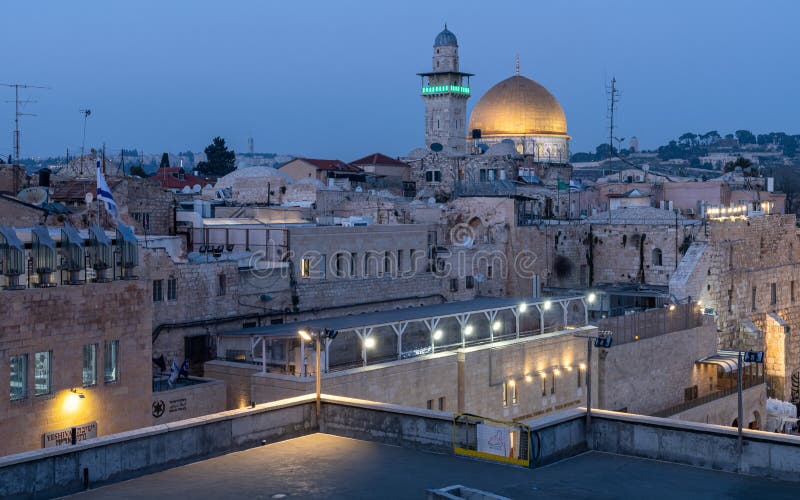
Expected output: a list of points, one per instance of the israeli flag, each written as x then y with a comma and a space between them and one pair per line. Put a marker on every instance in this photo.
174, 373
104, 193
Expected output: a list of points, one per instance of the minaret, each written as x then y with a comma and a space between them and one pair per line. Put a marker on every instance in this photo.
445, 94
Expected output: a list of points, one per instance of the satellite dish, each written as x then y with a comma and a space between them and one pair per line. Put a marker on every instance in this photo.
507, 141
431, 201
33, 195
197, 188
483, 147
186, 189
436, 147
209, 186
89, 198
359, 189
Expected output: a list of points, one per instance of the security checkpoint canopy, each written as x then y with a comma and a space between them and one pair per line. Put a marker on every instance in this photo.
397, 316
727, 360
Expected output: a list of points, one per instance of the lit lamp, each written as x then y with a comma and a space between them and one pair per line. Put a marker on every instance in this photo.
306, 335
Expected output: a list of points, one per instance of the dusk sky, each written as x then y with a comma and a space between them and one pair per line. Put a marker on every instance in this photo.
338, 79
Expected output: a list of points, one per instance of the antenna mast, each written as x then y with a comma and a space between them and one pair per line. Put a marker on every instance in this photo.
613, 97
17, 114
86, 113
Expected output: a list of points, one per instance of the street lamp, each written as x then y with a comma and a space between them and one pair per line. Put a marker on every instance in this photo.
602, 339
318, 334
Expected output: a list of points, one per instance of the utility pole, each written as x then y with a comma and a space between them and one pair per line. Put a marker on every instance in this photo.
17, 114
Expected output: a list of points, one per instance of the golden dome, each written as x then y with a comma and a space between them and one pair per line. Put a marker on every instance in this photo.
518, 106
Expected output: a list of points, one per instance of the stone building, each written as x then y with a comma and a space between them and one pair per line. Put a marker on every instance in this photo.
745, 269
75, 357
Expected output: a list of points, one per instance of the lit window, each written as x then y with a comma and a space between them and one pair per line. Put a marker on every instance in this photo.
505, 394
41, 373
110, 361
89, 365
158, 292
18, 379
513, 393
172, 289
305, 268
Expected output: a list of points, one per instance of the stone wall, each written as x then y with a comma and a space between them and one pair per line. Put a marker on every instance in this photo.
651, 374
62, 320
190, 401
725, 411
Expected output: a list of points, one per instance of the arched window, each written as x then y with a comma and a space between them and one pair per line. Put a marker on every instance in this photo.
657, 257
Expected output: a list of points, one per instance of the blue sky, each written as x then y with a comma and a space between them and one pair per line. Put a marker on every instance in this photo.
338, 79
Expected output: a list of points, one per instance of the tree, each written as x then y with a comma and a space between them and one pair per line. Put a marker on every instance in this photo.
164, 161
745, 137
688, 139
740, 162
10, 161
138, 171
604, 151
219, 161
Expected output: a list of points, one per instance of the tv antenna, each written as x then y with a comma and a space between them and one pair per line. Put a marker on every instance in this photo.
613, 99
86, 114
17, 114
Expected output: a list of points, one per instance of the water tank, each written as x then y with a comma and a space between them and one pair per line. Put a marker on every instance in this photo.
44, 177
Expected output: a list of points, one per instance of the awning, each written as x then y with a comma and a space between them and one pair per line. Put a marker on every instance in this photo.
727, 360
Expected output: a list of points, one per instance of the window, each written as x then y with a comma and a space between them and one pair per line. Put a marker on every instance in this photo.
305, 268
220, 284
429, 404
18, 379
158, 293
773, 294
513, 386
730, 300
753, 299
657, 257
89, 365
340, 265
110, 361
690, 393
172, 289
433, 176
441, 403
791, 291
353, 264
387, 262
553, 384
470, 282
142, 218
400, 264
505, 394
41, 373
580, 376
453, 284
323, 260
544, 386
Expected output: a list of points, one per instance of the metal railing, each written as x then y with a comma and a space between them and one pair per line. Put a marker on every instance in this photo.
748, 381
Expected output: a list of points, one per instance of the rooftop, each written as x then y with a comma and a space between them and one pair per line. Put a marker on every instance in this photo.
327, 466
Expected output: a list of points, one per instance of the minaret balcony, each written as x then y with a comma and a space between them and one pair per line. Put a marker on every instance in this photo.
445, 89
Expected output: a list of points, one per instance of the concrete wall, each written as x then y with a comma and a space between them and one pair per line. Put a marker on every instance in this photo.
189, 401
764, 454
60, 471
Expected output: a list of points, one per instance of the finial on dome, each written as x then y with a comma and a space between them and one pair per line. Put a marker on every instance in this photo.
517, 68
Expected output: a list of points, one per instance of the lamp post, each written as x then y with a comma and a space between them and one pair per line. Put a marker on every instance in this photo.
602, 339
317, 334
750, 357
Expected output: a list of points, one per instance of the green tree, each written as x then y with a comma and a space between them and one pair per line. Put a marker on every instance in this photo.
219, 161
138, 171
745, 137
688, 139
164, 161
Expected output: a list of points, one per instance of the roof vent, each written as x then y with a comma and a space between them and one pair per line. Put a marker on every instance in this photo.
128, 251
99, 253
72, 254
43, 252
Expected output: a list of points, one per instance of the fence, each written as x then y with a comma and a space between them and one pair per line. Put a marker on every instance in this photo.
652, 323
748, 381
